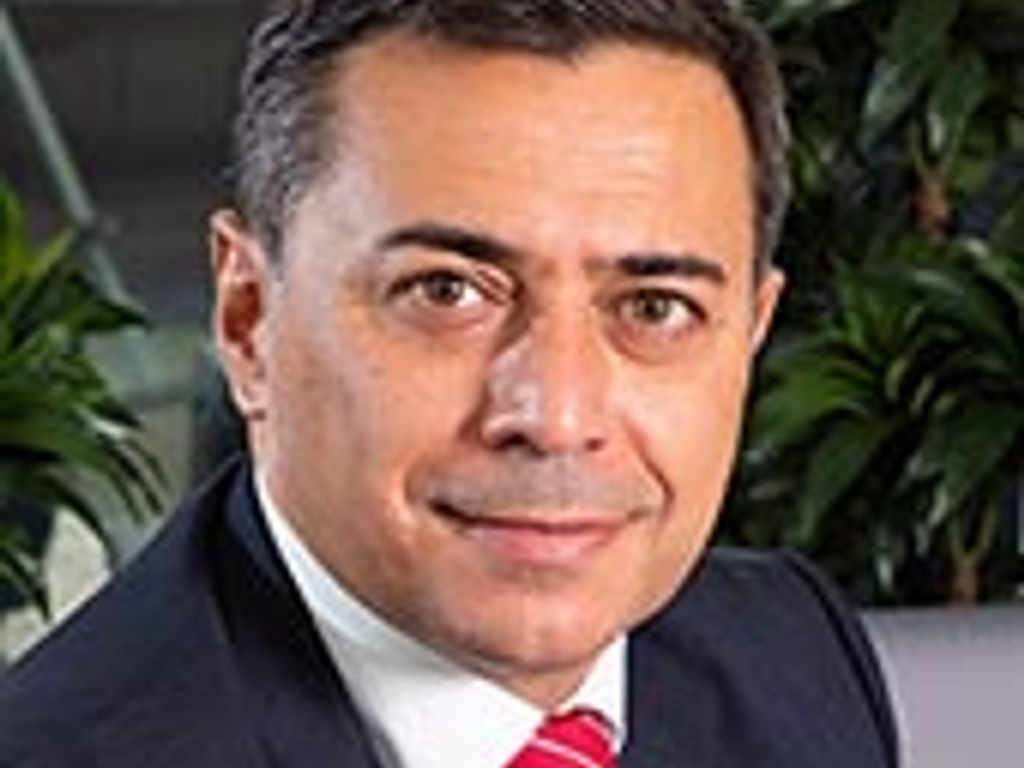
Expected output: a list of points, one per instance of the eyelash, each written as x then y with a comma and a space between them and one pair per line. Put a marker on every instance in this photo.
664, 296
442, 300
423, 281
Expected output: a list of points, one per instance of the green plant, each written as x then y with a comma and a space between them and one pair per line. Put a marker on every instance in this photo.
888, 429
60, 423
899, 425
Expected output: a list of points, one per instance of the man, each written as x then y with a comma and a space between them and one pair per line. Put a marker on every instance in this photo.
487, 303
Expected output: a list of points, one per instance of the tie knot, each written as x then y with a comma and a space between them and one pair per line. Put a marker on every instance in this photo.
579, 738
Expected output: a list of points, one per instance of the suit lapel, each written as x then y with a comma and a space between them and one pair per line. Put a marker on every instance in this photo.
292, 688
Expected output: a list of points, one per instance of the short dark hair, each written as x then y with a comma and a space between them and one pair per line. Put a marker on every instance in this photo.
280, 133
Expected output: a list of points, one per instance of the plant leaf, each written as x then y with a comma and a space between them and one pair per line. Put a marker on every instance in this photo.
962, 87
915, 48
784, 13
838, 463
966, 447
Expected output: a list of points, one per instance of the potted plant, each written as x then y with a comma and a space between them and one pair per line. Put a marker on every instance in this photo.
61, 426
887, 438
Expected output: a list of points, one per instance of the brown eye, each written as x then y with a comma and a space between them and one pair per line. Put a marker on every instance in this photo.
445, 300
659, 310
441, 290
655, 323
654, 307
446, 289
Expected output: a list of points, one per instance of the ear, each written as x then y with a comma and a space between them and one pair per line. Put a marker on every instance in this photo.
242, 281
768, 290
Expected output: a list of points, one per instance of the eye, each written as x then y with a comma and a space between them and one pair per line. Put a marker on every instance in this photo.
656, 307
439, 299
444, 289
655, 320
659, 309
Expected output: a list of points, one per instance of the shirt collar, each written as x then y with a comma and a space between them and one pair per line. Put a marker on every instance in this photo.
414, 700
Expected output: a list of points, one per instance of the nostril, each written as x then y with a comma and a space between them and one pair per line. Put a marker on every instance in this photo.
519, 444
538, 439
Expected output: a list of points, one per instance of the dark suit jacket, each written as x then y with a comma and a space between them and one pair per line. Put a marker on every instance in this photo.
200, 655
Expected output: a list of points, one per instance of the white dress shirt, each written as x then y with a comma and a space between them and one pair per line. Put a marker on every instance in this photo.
422, 709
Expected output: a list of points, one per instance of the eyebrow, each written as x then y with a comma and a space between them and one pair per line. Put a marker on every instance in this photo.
671, 265
479, 246
473, 245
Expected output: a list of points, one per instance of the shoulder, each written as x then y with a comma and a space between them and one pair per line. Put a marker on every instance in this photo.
781, 588
772, 605
765, 637
127, 659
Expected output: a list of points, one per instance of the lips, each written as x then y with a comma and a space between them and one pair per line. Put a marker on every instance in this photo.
537, 538
556, 511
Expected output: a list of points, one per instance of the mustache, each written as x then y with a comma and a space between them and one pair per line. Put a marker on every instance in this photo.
515, 487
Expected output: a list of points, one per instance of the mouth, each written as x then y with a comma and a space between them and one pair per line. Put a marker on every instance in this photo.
536, 538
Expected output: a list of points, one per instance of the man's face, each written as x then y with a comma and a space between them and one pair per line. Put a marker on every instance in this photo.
497, 385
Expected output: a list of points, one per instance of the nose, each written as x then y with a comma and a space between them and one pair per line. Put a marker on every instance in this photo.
548, 389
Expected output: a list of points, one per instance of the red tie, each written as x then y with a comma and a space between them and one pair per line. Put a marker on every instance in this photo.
576, 739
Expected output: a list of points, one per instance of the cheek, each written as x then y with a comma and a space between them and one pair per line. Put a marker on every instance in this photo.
688, 429
375, 410
685, 432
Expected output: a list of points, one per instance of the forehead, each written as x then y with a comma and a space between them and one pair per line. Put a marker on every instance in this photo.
630, 140
613, 88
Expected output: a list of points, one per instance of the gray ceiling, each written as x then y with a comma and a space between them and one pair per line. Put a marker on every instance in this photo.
142, 92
